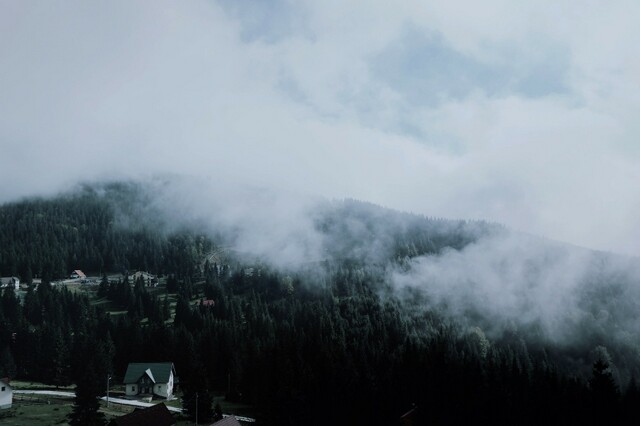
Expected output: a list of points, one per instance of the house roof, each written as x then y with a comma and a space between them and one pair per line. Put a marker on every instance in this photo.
159, 372
410, 418
227, 421
157, 415
79, 273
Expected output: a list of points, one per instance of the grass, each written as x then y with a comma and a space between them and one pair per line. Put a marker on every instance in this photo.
42, 412
37, 410
26, 385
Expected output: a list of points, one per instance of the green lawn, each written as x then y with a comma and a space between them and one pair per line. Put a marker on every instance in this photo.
26, 385
43, 410
30, 413
40, 410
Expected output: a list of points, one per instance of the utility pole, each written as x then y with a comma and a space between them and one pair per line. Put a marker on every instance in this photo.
108, 379
196, 408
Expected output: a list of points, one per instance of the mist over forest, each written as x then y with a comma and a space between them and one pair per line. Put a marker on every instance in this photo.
384, 293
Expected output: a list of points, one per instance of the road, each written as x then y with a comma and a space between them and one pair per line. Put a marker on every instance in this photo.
121, 401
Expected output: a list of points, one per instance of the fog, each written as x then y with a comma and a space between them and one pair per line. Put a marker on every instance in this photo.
554, 292
245, 117
520, 114
273, 226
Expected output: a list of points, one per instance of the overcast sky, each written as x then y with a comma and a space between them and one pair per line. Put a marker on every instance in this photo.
524, 113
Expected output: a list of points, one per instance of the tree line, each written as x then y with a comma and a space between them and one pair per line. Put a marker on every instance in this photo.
318, 344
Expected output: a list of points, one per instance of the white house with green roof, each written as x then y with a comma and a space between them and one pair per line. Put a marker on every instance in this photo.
148, 378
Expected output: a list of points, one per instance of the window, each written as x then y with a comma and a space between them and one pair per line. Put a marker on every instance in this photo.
3, 388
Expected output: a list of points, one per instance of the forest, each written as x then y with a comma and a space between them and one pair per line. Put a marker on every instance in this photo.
326, 341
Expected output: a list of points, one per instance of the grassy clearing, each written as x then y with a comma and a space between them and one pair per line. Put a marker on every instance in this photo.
47, 410
30, 412
43, 410
36, 410
26, 385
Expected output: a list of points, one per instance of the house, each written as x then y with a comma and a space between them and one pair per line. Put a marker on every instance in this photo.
410, 418
150, 379
77, 274
157, 415
227, 421
147, 278
6, 393
207, 302
10, 282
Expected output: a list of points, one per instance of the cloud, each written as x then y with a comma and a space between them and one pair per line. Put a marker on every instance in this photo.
523, 114
513, 282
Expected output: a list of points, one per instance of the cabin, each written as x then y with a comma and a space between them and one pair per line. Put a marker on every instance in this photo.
147, 278
156, 415
149, 379
227, 421
6, 282
6, 393
410, 418
77, 274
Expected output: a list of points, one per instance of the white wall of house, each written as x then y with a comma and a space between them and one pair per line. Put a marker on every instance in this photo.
164, 390
10, 282
131, 390
145, 383
160, 390
6, 395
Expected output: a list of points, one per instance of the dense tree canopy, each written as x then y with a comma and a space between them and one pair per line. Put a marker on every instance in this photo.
323, 343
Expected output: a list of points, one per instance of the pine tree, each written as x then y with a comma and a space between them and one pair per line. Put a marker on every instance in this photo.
103, 288
86, 404
94, 366
604, 393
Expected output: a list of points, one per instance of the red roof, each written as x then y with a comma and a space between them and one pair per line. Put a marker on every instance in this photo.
410, 418
227, 421
157, 415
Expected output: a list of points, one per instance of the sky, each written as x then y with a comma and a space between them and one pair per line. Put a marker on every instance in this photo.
522, 113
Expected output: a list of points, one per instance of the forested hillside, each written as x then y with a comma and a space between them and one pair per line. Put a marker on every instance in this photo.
103, 228
331, 340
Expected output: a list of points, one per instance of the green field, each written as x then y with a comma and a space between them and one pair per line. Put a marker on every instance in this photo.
34, 409
44, 410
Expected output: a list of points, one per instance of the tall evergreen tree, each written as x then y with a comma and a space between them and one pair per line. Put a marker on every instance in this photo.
604, 393
90, 382
86, 404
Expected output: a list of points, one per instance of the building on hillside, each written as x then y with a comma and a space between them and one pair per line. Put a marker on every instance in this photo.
10, 282
227, 421
77, 274
150, 379
6, 393
149, 280
410, 418
156, 415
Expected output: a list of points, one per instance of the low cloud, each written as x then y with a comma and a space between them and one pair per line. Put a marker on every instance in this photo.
541, 136
542, 289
